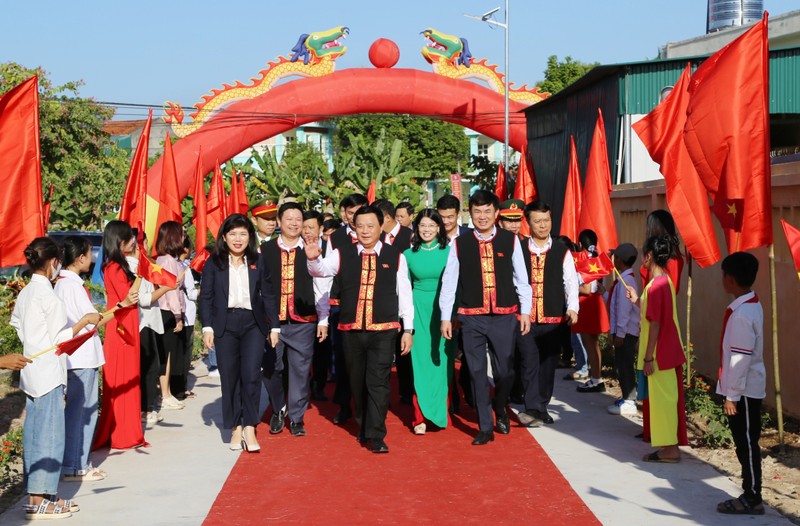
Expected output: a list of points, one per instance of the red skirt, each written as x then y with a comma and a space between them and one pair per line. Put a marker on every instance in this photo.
593, 315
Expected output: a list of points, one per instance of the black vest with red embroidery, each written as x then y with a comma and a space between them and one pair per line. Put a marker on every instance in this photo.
486, 275
339, 239
546, 276
368, 293
291, 283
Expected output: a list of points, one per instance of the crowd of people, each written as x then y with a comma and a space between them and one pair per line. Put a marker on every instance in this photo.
291, 298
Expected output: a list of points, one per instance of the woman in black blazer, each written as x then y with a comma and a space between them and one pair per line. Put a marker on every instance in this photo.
239, 312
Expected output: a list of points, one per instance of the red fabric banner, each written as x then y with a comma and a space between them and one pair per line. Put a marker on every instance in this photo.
216, 205
596, 213
573, 198
21, 210
134, 200
169, 208
500, 185
244, 204
200, 215
371, 192
70, 346
727, 137
592, 269
793, 238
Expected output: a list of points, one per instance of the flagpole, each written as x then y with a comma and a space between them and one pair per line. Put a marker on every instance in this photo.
53, 348
689, 353
775, 363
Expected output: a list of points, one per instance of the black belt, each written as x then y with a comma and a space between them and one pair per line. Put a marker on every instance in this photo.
236, 309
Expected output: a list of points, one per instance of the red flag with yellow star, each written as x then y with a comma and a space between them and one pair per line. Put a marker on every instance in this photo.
155, 273
592, 269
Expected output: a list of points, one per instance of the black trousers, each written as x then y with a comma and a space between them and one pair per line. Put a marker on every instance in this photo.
321, 362
565, 341
541, 351
746, 430
174, 350
240, 351
369, 357
343, 394
405, 373
497, 332
624, 361
149, 367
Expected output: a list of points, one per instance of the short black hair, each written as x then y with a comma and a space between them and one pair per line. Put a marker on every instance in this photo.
742, 267
538, 206
312, 214
408, 206
369, 209
448, 202
482, 198
386, 206
354, 200
291, 205
331, 224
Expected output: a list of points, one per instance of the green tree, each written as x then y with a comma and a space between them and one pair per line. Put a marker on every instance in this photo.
86, 168
431, 146
558, 75
301, 173
486, 173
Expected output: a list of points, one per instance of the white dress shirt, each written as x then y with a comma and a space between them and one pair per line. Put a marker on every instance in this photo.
70, 289
149, 313
329, 267
392, 234
453, 268
623, 314
571, 277
190, 293
40, 320
322, 286
238, 285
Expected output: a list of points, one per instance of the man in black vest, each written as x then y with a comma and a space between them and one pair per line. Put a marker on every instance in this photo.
303, 314
554, 286
344, 236
399, 237
489, 268
375, 294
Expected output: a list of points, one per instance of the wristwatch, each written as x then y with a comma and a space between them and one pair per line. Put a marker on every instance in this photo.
409, 331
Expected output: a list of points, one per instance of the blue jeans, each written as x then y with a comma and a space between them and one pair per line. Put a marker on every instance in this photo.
580, 353
43, 442
80, 419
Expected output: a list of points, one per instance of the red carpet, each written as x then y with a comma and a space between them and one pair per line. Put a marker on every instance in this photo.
326, 477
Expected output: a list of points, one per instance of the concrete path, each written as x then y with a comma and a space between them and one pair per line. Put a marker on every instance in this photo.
175, 481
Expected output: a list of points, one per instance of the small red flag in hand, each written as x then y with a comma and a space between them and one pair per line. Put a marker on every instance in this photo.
793, 238
199, 261
153, 273
70, 346
592, 269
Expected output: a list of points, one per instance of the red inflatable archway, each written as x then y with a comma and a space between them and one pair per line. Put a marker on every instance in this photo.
346, 92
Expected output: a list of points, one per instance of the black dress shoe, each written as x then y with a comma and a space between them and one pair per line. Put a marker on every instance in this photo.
517, 399
319, 395
483, 437
377, 445
276, 422
544, 416
503, 425
297, 429
342, 416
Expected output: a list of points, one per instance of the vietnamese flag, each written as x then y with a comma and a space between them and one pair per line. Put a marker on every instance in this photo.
20, 172
500, 186
525, 189
596, 213
155, 273
661, 131
371, 192
200, 215
46, 208
793, 238
217, 205
233, 195
727, 136
134, 200
70, 346
573, 197
592, 269
244, 204
169, 198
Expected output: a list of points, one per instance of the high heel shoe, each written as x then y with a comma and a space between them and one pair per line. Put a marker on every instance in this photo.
251, 445
236, 439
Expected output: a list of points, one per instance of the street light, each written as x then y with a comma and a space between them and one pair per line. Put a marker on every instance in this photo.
487, 17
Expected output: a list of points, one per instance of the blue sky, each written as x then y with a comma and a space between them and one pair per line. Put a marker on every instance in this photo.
146, 52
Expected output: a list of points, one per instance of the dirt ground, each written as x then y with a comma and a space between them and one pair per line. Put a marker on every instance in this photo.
780, 465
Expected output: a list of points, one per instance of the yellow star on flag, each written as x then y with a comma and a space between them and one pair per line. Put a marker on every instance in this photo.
593, 268
732, 209
157, 268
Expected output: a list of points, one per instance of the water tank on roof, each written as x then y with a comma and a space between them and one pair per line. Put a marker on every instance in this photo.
723, 14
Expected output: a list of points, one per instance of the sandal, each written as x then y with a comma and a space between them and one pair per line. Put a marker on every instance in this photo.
86, 475
68, 504
420, 429
740, 506
40, 511
189, 394
653, 457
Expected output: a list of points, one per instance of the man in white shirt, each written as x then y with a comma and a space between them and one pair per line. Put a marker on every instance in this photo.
375, 295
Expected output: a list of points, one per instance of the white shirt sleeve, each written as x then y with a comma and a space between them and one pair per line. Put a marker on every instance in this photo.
521, 283
447, 297
570, 282
324, 267
322, 293
405, 300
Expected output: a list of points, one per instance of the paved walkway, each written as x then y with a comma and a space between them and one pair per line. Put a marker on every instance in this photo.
175, 481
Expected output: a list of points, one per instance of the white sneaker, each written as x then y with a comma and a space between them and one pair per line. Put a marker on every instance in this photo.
214, 372
154, 417
623, 407
172, 403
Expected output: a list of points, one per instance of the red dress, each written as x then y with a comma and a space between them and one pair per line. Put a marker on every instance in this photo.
120, 424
